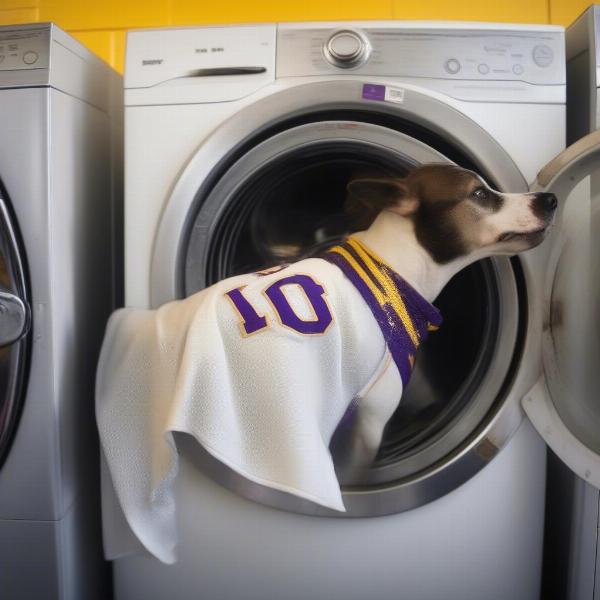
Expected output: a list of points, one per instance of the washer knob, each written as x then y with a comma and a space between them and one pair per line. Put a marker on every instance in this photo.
30, 57
346, 49
543, 55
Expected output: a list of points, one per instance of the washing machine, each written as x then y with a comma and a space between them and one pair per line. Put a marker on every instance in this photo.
239, 142
60, 186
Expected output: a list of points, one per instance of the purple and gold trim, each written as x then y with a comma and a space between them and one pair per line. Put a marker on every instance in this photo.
404, 316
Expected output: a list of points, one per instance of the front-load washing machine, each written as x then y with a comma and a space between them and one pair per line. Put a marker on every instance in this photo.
60, 187
239, 143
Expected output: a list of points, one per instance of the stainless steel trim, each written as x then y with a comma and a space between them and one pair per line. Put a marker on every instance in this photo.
460, 132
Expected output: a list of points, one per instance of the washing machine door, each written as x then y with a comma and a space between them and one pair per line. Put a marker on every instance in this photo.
15, 320
564, 405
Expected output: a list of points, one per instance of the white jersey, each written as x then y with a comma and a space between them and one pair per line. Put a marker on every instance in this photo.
260, 369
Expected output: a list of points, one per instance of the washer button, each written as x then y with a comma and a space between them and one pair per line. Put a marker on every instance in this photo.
345, 46
452, 66
483, 69
542, 55
30, 57
517, 69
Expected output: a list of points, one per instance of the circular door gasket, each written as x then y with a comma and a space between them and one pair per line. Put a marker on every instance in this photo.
226, 215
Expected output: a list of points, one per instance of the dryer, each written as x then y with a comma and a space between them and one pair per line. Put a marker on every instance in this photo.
583, 91
60, 172
239, 141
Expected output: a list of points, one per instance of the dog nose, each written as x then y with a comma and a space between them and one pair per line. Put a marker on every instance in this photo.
548, 201
544, 204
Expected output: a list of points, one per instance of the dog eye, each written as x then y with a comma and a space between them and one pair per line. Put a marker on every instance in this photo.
480, 194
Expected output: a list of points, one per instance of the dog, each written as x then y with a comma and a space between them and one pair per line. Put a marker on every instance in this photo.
428, 226
262, 369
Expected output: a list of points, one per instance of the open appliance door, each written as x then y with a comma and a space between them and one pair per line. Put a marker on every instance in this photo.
564, 405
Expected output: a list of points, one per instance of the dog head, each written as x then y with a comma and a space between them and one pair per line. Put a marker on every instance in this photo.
455, 213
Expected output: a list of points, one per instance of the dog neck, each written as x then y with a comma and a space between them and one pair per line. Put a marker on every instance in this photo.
393, 237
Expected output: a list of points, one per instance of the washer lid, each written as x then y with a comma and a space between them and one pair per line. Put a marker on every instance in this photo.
564, 406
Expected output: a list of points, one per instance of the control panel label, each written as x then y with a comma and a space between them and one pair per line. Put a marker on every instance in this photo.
386, 93
394, 94
371, 91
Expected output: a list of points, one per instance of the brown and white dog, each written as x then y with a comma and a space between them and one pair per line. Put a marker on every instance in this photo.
428, 226
441, 218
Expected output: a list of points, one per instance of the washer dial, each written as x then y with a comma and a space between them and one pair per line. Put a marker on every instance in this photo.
347, 49
542, 55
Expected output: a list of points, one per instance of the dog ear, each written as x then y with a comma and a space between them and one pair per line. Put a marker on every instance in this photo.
379, 193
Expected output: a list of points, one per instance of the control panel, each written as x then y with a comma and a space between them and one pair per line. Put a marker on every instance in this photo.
24, 49
215, 56
533, 55
198, 64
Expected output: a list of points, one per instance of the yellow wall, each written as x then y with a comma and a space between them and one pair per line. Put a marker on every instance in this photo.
101, 24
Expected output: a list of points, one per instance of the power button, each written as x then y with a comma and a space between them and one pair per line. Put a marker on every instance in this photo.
30, 57
452, 66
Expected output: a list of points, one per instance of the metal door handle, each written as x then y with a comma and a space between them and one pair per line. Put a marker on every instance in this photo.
14, 318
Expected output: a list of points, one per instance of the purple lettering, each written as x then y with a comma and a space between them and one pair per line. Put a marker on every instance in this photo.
314, 293
251, 320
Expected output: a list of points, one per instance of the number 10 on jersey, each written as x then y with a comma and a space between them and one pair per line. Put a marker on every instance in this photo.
253, 322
